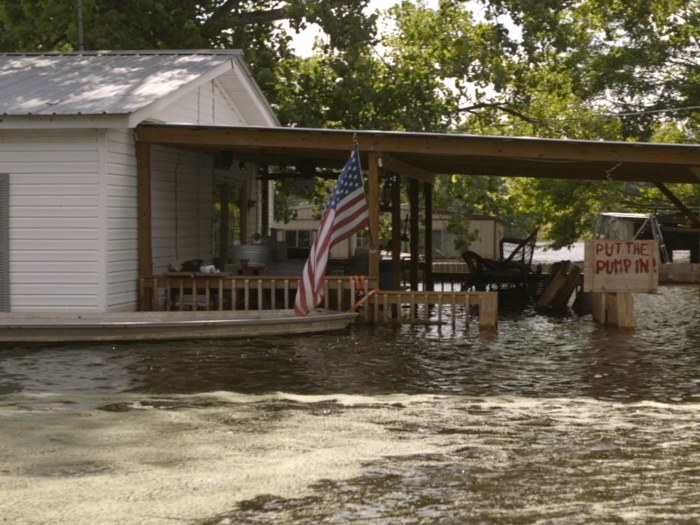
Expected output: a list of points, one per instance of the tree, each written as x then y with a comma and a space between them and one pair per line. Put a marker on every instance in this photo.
52, 25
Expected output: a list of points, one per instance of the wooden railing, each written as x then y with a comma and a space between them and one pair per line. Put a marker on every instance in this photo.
169, 293
226, 293
429, 307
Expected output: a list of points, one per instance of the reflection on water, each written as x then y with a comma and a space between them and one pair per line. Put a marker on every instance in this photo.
552, 419
531, 356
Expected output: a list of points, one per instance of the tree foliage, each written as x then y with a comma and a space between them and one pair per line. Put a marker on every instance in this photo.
544, 68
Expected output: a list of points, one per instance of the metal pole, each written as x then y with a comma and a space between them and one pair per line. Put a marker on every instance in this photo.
80, 26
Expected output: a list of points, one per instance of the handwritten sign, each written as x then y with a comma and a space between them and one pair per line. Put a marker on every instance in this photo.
620, 266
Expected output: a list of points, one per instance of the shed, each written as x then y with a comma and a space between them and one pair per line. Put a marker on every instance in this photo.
487, 231
69, 203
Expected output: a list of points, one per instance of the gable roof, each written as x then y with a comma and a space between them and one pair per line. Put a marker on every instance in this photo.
116, 83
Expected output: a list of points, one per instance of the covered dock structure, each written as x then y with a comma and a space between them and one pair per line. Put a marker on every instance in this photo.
418, 158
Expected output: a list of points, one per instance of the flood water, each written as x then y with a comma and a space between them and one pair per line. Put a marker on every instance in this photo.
549, 421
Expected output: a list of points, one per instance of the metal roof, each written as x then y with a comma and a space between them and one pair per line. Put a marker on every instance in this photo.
102, 82
444, 153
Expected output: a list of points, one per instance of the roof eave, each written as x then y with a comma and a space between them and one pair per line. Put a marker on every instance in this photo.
145, 112
64, 121
262, 103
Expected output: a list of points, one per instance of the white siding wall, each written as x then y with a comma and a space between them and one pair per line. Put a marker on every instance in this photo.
208, 104
182, 202
122, 258
54, 217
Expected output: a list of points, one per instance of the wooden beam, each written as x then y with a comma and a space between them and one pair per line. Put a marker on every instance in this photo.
694, 220
223, 226
426, 143
396, 232
373, 205
392, 164
143, 156
428, 193
265, 197
413, 194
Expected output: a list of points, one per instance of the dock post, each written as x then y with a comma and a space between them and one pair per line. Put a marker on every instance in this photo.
621, 311
599, 310
488, 311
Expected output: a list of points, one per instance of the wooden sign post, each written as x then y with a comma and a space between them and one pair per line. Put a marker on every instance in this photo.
613, 270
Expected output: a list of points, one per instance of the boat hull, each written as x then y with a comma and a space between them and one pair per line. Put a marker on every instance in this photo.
164, 326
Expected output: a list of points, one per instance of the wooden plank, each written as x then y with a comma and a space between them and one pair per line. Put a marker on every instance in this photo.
391, 163
624, 314
224, 225
562, 300
373, 205
466, 313
555, 286
621, 266
386, 309
488, 311
422, 143
413, 201
221, 295
396, 233
599, 308
428, 242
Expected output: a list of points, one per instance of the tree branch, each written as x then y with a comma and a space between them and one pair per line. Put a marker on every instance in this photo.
255, 17
515, 113
504, 108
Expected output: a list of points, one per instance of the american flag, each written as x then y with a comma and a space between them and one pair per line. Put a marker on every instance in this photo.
346, 213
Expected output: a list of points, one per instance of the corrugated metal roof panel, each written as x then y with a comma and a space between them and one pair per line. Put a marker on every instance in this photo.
113, 83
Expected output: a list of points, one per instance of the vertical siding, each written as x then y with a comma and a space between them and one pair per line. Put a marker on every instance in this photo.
181, 205
122, 258
225, 111
204, 105
53, 218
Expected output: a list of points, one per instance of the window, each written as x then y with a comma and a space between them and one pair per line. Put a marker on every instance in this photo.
291, 238
299, 238
303, 239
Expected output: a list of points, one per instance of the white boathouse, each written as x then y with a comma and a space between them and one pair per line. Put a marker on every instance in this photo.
69, 210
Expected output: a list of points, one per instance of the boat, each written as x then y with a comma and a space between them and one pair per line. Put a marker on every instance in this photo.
163, 326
